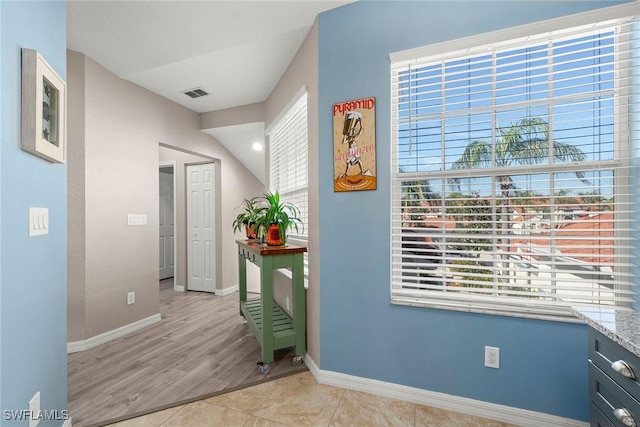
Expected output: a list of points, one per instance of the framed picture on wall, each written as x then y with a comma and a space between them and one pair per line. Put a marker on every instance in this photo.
44, 105
354, 145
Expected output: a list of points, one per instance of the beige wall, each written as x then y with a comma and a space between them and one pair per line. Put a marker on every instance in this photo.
118, 175
303, 72
252, 113
76, 271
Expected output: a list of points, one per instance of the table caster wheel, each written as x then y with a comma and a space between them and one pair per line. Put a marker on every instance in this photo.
296, 361
263, 368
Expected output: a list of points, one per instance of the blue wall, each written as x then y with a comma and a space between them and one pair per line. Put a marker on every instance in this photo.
33, 278
543, 364
1, 136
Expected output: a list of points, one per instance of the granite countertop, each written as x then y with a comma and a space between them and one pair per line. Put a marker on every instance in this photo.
621, 325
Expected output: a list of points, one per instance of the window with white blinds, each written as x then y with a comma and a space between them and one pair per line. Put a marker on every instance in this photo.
510, 174
287, 150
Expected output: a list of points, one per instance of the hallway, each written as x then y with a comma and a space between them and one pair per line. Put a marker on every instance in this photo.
201, 347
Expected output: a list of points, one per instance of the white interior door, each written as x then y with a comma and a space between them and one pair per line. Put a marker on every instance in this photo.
200, 227
166, 224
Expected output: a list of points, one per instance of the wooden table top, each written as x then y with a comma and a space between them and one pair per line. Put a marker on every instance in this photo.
265, 250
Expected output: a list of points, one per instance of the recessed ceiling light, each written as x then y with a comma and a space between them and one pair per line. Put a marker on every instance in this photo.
257, 146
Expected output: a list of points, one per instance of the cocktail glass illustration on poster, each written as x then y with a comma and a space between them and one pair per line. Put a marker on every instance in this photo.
354, 145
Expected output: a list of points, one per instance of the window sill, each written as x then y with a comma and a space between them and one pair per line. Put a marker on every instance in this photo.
286, 272
515, 311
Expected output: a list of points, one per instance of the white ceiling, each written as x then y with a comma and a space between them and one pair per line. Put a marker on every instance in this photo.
235, 50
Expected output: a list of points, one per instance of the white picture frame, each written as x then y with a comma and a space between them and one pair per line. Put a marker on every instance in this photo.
44, 108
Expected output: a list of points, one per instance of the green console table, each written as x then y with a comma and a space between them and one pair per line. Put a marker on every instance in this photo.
273, 328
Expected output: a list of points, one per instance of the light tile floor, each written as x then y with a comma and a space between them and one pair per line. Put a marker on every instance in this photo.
298, 400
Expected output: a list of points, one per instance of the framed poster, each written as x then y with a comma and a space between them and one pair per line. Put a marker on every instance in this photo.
354, 145
43, 108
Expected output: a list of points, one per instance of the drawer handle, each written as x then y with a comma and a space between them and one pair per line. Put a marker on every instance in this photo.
625, 417
623, 368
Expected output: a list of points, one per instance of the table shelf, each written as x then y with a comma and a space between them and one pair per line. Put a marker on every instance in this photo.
283, 332
273, 328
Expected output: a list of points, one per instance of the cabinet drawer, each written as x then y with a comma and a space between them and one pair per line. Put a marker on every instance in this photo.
603, 352
598, 419
609, 396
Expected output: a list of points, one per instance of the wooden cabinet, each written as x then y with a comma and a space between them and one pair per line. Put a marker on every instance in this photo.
613, 384
273, 328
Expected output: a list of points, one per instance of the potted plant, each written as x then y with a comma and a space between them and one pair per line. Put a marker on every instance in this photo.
249, 217
277, 218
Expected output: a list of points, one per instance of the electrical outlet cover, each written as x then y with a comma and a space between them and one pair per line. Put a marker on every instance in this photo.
492, 357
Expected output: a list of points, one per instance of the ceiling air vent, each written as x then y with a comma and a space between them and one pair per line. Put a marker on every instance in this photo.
196, 93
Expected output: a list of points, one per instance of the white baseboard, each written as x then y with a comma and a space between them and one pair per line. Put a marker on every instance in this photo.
76, 346
506, 414
178, 288
227, 291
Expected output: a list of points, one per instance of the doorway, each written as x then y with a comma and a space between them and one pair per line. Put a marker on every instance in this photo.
166, 221
180, 159
201, 248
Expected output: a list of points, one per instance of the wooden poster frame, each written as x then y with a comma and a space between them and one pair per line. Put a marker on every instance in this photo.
354, 145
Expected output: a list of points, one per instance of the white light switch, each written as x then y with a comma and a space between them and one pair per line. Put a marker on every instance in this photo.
38, 221
137, 219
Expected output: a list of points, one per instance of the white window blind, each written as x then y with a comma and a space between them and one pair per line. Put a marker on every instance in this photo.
288, 164
510, 174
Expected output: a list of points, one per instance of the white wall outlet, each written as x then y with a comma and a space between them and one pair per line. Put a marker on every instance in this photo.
492, 357
34, 407
287, 303
131, 298
38, 221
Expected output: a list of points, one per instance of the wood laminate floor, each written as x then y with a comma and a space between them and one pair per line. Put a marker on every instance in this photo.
201, 347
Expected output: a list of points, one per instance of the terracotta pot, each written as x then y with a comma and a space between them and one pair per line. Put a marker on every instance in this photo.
250, 234
273, 235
